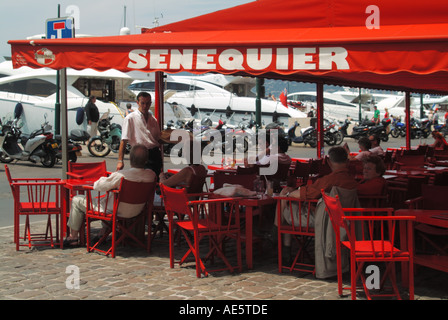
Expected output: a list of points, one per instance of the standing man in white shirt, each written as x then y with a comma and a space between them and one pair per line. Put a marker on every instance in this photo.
141, 127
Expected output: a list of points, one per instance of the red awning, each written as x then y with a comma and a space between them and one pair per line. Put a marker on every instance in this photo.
310, 40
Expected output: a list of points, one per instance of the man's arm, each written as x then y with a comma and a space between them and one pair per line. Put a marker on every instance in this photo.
120, 163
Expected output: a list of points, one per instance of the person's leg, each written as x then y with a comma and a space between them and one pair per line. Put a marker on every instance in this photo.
76, 218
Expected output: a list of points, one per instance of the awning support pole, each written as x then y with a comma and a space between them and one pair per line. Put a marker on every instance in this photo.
320, 119
408, 119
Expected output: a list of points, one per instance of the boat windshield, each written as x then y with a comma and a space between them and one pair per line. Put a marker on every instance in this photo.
34, 87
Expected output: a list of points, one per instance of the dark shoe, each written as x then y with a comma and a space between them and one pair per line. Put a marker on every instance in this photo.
70, 243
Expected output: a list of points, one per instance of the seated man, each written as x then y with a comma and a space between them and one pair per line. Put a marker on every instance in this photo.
373, 182
339, 177
137, 173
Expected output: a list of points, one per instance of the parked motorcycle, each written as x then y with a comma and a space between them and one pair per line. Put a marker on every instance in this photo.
398, 128
73, 148
308, 135
380, 130
442, 128
357, 132
420, 128
39, 146
108, 140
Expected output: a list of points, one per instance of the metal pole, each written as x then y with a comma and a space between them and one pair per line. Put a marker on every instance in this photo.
408, 119
57, 106
260, 93
422, 115
320, 119
64, 122
360, 114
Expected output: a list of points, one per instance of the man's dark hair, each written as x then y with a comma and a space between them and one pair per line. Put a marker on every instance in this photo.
338, 155
143, 94
138, 156
365, 142
282, 144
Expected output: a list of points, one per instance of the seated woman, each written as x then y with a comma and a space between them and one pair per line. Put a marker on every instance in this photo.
186, 177
373, 182
364, 146
439, 141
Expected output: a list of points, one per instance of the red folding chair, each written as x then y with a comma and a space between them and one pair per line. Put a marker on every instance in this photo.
301, 228
375, 244
42, 197
134, 194
90, 171
87, 171
216, 219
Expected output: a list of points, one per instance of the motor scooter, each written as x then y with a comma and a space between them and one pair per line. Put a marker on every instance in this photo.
307, 135
109, 138
39, 146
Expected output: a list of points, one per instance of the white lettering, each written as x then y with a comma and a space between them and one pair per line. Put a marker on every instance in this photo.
157, 59
337, 55
282, 58
326, 58
231, 59
137, 59
184, 59
205, 59
259, 59
303, 59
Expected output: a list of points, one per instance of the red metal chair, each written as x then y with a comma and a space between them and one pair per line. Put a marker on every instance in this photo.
87, 171
375, 244
43, 197
221, 177
217, 219
301, 174
301, 228
196, 185
129, 194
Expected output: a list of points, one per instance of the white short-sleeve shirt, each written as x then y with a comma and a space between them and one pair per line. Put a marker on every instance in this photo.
138, 131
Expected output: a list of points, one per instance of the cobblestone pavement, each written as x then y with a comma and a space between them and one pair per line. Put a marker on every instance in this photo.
44, 273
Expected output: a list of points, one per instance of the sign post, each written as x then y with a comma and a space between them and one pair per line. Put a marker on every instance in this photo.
60, 28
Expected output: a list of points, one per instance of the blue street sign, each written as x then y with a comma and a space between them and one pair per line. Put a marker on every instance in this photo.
59, 28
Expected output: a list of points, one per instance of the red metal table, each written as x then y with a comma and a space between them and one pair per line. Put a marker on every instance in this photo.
251, 205
438, 218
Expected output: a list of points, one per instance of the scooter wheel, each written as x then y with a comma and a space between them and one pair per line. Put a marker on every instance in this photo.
72, 157
394, 133
98, 148
49, 160
4, 158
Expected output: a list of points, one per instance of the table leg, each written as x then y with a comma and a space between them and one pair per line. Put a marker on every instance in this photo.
65, 206
249, 237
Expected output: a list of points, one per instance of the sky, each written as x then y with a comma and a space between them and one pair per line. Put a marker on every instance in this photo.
20, 19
